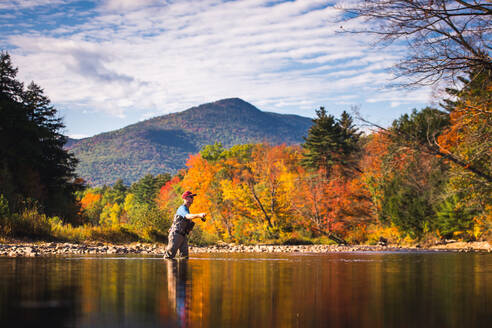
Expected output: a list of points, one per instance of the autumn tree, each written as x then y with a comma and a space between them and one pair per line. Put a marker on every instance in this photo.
406, 184
92, 205
467, 138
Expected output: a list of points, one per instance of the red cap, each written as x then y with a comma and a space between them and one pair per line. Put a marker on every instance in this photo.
187, 194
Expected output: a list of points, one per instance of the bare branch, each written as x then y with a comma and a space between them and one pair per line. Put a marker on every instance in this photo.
446, 38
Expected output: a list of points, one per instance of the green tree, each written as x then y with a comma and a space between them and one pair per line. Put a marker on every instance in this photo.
351, 138
33, 163
147, 188
161, 180
413, 181
453, 216
212, 152
409, 198
330, 142
9, 86
116, 193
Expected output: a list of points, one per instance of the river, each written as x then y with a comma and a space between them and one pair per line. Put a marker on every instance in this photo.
367, 289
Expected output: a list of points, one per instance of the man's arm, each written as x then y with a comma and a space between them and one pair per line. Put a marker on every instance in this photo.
196, 216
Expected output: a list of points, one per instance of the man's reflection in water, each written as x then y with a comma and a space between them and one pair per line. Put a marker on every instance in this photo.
179, 290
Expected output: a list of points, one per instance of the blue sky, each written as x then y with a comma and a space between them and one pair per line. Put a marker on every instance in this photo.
110, 63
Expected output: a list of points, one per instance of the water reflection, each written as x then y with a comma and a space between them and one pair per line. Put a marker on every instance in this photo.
336, 290
179, 290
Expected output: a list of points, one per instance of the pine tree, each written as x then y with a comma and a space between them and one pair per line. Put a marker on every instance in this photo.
145, 190
330, 142
351, 140
33, 163
40, 110
9, 86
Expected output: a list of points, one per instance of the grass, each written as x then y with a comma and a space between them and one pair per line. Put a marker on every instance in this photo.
35, 226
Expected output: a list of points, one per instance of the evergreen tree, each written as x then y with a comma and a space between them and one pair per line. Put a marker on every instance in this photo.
412, 181
453, 216
145, 190
351, 139
9, 86
116, 193
330, 142
161, 180
407, 207
39, 108
420, 129
33, 163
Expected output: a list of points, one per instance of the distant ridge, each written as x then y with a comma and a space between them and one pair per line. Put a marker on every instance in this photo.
163, 144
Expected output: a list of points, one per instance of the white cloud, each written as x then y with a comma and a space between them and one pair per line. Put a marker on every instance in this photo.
22, 4
125, 5
78, 136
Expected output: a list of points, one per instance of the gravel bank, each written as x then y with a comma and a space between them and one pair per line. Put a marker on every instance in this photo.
60, 249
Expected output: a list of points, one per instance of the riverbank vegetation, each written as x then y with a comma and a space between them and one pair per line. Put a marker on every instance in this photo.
425, 178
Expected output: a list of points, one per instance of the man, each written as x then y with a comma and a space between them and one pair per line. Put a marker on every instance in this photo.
181, 227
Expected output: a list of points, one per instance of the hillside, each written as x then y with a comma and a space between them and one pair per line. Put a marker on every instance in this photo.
162, 144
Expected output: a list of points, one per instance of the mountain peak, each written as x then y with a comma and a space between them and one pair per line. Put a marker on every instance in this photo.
163, 144
231, 101
236, 104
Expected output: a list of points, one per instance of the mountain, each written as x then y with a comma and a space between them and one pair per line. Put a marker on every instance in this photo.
163, 144
71, 142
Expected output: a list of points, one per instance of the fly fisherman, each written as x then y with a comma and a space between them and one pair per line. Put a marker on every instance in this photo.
181, 227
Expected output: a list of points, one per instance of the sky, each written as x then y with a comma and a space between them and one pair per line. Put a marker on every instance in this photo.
106, 64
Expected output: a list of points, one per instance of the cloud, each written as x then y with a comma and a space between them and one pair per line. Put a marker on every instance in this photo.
23, 4
91, 65
78, 136
158, 57
126, 5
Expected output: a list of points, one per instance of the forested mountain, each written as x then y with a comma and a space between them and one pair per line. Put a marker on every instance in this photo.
162, 144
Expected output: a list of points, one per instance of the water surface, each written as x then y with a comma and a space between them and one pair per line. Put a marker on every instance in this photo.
404, 289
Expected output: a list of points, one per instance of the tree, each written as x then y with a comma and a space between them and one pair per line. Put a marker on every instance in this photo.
421, 131
351, 135
406, 183
212, 152
330, 142
407, 207
39, 108
468, 138
33, 163
117, 193
9, 86
147, 188
446, 38
454, 217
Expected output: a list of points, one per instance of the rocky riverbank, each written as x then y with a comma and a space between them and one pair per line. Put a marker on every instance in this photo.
61, 249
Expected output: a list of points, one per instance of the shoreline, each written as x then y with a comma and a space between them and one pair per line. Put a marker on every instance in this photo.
46, 249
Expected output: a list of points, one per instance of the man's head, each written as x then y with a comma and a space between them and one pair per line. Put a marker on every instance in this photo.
188, 197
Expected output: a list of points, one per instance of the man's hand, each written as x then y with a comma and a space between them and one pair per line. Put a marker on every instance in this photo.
202, 216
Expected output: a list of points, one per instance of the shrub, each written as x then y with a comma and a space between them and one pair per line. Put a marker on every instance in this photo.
114, 234
199, 237
29, 223
151, 234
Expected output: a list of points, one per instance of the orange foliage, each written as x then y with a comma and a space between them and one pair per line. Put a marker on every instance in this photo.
268, 193
89, 200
